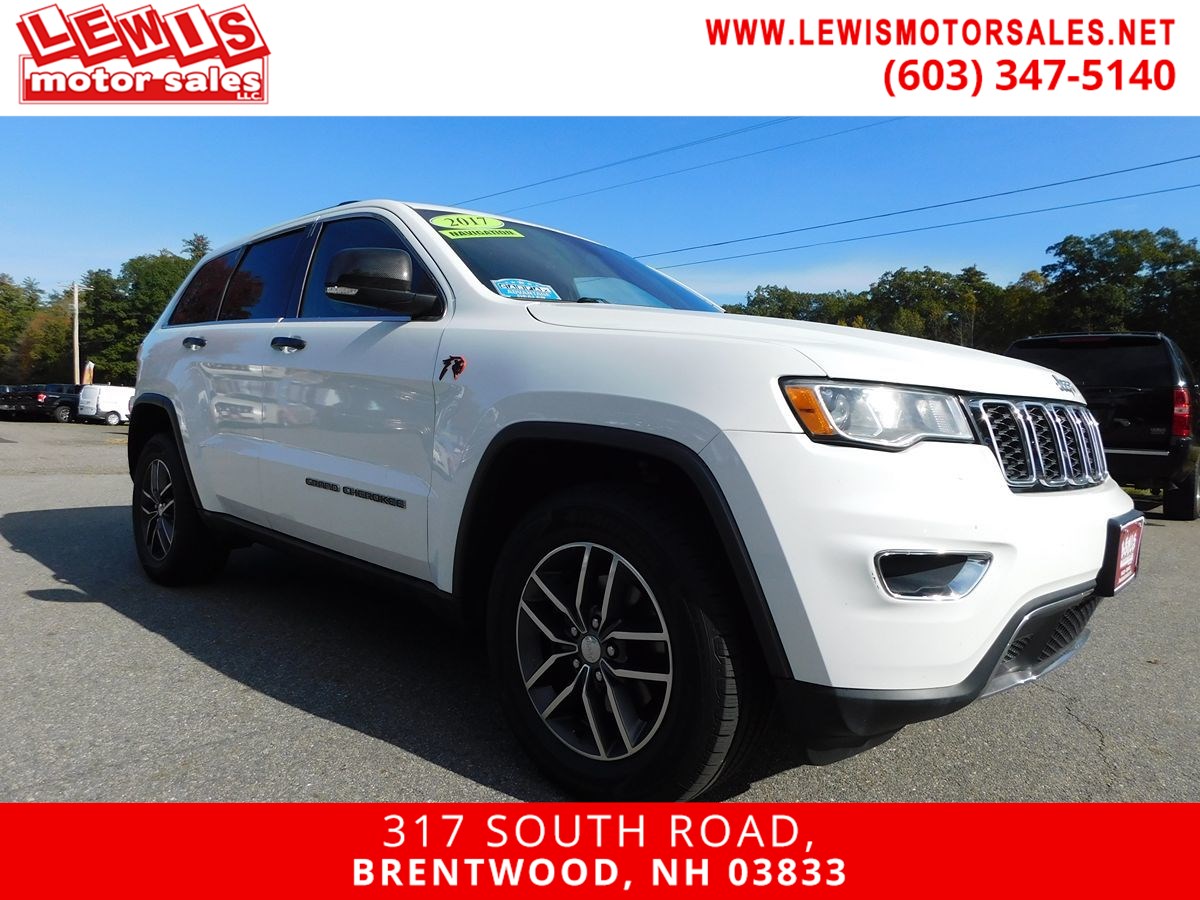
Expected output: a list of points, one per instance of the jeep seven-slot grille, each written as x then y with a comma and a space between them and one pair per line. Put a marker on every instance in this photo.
1043, 446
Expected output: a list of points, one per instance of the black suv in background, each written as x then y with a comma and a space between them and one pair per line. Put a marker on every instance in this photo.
57, 401
1142, 390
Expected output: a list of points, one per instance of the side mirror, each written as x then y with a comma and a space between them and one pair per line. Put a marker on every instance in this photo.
377, 277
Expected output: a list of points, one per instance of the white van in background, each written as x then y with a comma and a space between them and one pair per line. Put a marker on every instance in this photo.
106, 402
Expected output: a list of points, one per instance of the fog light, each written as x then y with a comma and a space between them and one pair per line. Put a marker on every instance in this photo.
926, 575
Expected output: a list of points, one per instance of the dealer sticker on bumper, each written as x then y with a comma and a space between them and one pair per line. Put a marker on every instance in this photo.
1123, 553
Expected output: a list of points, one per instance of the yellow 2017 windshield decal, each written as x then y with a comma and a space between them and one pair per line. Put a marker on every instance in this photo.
460, 225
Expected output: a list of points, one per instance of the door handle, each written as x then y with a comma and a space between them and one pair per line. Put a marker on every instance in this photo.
194, 343
288, 344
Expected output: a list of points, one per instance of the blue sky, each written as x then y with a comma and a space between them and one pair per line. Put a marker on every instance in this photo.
89, 193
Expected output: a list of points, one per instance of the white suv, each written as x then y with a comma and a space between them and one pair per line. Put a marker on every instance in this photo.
666, 519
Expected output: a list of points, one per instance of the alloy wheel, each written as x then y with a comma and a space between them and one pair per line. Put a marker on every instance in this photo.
158, 509
593, 651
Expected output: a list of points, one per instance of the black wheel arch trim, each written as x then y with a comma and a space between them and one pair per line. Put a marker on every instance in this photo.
165, 404
671, 452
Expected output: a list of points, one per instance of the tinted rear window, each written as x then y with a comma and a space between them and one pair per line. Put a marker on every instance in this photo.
1118, 363
202, 297
262, 287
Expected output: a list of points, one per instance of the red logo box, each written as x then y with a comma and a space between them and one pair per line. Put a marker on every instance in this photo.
142, 56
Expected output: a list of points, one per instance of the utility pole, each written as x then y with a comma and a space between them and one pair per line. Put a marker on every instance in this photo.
75, 338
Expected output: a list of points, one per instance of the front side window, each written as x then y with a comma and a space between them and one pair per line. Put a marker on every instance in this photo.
202, 297
525, 262
343, 234
262, 286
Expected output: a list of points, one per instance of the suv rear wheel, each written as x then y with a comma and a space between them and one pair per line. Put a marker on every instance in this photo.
1183, 501
617, 648
172, 542
62, 414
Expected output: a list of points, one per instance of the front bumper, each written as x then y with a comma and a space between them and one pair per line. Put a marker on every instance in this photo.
1040, 638
814, 516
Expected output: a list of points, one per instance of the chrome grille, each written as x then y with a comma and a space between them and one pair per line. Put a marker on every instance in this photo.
1009, 440
1066, 429
1043, 446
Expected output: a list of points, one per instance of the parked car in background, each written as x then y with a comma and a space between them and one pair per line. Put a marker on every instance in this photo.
55, 401
61, 401
108, 403
1144, 393
6, 392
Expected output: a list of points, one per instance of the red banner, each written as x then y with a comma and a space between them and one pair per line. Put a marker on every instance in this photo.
577, 850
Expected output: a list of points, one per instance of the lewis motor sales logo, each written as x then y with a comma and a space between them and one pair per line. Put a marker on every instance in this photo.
142, 56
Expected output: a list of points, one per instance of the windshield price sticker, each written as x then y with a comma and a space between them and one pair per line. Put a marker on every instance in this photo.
521, 289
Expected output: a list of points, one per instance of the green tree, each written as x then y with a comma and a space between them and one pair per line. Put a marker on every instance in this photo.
18, 305
44, 349
103, 317
196, 248
831, 307
925, 303
120, 310
1120, 280
1019, 310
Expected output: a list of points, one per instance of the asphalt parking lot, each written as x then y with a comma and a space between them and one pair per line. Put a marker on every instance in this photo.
286, 680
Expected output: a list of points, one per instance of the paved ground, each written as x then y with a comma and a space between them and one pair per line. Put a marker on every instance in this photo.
283, 680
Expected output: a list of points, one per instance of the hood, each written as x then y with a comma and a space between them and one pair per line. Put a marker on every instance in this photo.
843, 353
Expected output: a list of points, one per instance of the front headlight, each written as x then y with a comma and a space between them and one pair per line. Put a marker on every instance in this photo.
876, 415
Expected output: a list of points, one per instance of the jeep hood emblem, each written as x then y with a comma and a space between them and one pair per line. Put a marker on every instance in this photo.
1065, 385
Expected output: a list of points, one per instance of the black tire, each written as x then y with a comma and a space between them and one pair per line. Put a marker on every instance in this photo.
716, 695
1182, 502
62, 414
112, 418
172, 542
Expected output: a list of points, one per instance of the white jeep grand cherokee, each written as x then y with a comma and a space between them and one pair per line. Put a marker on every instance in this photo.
668, 521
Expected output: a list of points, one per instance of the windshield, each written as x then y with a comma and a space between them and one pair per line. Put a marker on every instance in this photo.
524, 262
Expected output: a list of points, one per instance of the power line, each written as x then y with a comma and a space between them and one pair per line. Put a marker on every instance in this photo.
900, 212
715, 162
620, 162
867, 237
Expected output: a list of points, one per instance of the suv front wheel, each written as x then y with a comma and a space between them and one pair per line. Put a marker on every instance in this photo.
172, 542
618, 650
